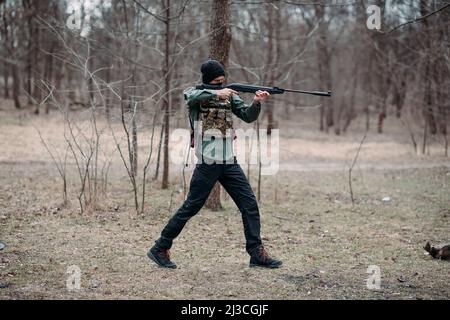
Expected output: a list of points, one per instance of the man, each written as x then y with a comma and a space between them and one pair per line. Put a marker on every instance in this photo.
210, 111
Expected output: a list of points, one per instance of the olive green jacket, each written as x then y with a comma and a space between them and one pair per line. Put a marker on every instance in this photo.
219, 150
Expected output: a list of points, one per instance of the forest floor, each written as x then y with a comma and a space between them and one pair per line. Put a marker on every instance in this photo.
326, 243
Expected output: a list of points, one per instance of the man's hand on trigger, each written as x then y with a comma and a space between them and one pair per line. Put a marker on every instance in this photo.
226, 93
260, 96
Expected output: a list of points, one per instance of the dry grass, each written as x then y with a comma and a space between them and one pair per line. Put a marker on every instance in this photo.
308, 221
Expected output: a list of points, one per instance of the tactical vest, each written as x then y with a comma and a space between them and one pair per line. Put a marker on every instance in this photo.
215, 114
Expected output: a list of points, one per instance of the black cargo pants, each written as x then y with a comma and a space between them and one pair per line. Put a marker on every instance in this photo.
233, 179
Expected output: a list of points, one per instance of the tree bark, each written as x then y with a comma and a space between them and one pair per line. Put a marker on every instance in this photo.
326, 111
427, 111
165, 178
220, 42
37, 93
27, 7
108, 95
273, 62
6, 40
6, 78
16, 87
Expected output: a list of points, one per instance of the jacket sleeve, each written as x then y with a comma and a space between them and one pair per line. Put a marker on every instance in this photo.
193, 96
248, 113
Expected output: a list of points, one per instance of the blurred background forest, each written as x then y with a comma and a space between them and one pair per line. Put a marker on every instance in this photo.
128, 61
104, 53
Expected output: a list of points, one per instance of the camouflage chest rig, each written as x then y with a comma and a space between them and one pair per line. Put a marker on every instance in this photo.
215, 116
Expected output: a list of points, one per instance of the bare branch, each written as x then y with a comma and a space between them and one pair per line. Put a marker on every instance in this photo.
418, 19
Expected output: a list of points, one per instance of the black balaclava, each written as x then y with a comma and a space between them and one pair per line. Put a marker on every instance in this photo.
211, 69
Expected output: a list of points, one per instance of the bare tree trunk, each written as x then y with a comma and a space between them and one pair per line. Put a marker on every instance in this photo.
269, 64
220, 32
367, 112
6, 78
383, 105
326, 112
441, 82
270, 119
108, 95
350, 110
158, 157
382, 72
7, 43
134, 130
16, 87
37, 91
90, 82
165, 178
259, 160
399, 94
425, 137
219, 49
322, 117
366, 63
428, 112
27, 6
134, 140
